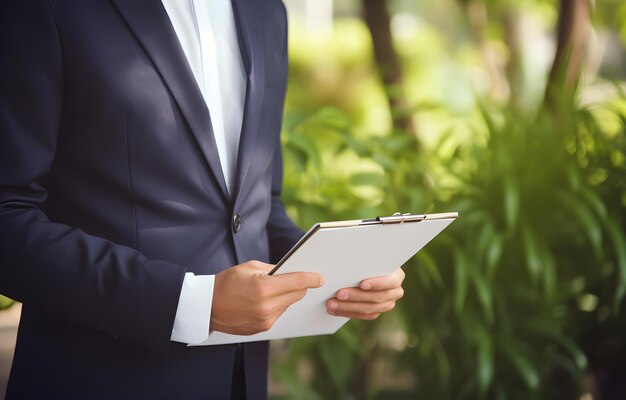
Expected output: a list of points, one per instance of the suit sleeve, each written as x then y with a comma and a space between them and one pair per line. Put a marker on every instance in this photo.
282, 232
55, 268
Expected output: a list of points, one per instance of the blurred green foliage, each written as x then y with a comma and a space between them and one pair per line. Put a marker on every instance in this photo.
523, 297
5, 302
491, 304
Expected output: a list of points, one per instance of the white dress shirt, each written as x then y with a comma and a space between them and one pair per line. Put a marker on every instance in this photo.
207, 33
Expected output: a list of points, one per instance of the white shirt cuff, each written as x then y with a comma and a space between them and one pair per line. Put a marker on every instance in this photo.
193, 315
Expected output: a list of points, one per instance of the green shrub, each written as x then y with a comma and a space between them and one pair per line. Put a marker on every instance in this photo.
500, 304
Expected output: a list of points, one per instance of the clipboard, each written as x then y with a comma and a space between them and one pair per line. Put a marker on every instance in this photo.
345, 253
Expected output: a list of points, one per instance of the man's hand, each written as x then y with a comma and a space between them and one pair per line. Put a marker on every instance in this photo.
246, 300
373, 297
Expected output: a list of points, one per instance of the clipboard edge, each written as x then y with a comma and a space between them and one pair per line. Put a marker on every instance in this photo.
448, 215
349, 223
295, 247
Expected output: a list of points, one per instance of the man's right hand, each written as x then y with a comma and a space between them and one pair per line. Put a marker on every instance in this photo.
246, 300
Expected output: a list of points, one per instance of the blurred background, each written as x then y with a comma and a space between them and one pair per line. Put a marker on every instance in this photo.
513, 114
510, 112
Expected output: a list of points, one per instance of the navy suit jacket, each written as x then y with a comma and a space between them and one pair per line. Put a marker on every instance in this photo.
111, 190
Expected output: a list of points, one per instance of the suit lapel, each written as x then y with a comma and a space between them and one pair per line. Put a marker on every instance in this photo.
251, 44
149, 22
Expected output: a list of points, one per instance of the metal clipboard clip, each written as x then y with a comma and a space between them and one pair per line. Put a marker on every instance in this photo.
398, 218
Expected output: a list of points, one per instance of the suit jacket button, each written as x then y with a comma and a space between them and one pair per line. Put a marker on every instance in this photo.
236, 223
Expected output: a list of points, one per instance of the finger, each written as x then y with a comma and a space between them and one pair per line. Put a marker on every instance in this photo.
274, 308
368, 317
275, 285
346, 308
369, 296
386, 282
285, 300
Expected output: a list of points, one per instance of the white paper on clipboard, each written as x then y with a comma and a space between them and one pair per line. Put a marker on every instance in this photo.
345, 253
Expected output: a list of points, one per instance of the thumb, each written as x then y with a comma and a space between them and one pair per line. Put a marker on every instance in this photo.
260, 267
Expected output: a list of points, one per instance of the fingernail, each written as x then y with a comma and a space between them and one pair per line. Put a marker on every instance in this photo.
332, 305
366, 286
342, 296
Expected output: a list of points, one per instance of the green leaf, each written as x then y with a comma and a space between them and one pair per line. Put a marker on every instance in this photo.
524, 366
351, 340
494, 253
500, 391
288, 376
295, 158
532, 252
385, 161
488, 119
441, 358
589, 223
292, 120
368, 179
396, 143
460, 280
619, 247
549, 275
485, 362
484, 296
300, 347
577, 355
427, 262
5, 302
358, 147
595, 202
553, 330
511, 203
333, 118
306, 145
337, 361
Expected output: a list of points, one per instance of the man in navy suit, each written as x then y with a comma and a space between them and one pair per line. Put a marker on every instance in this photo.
138, 174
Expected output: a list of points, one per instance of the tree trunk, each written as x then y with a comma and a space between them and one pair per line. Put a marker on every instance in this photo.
376, 15
572, 33
477, 18
513, 39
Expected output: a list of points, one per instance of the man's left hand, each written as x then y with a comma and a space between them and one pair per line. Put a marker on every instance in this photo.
373, 297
